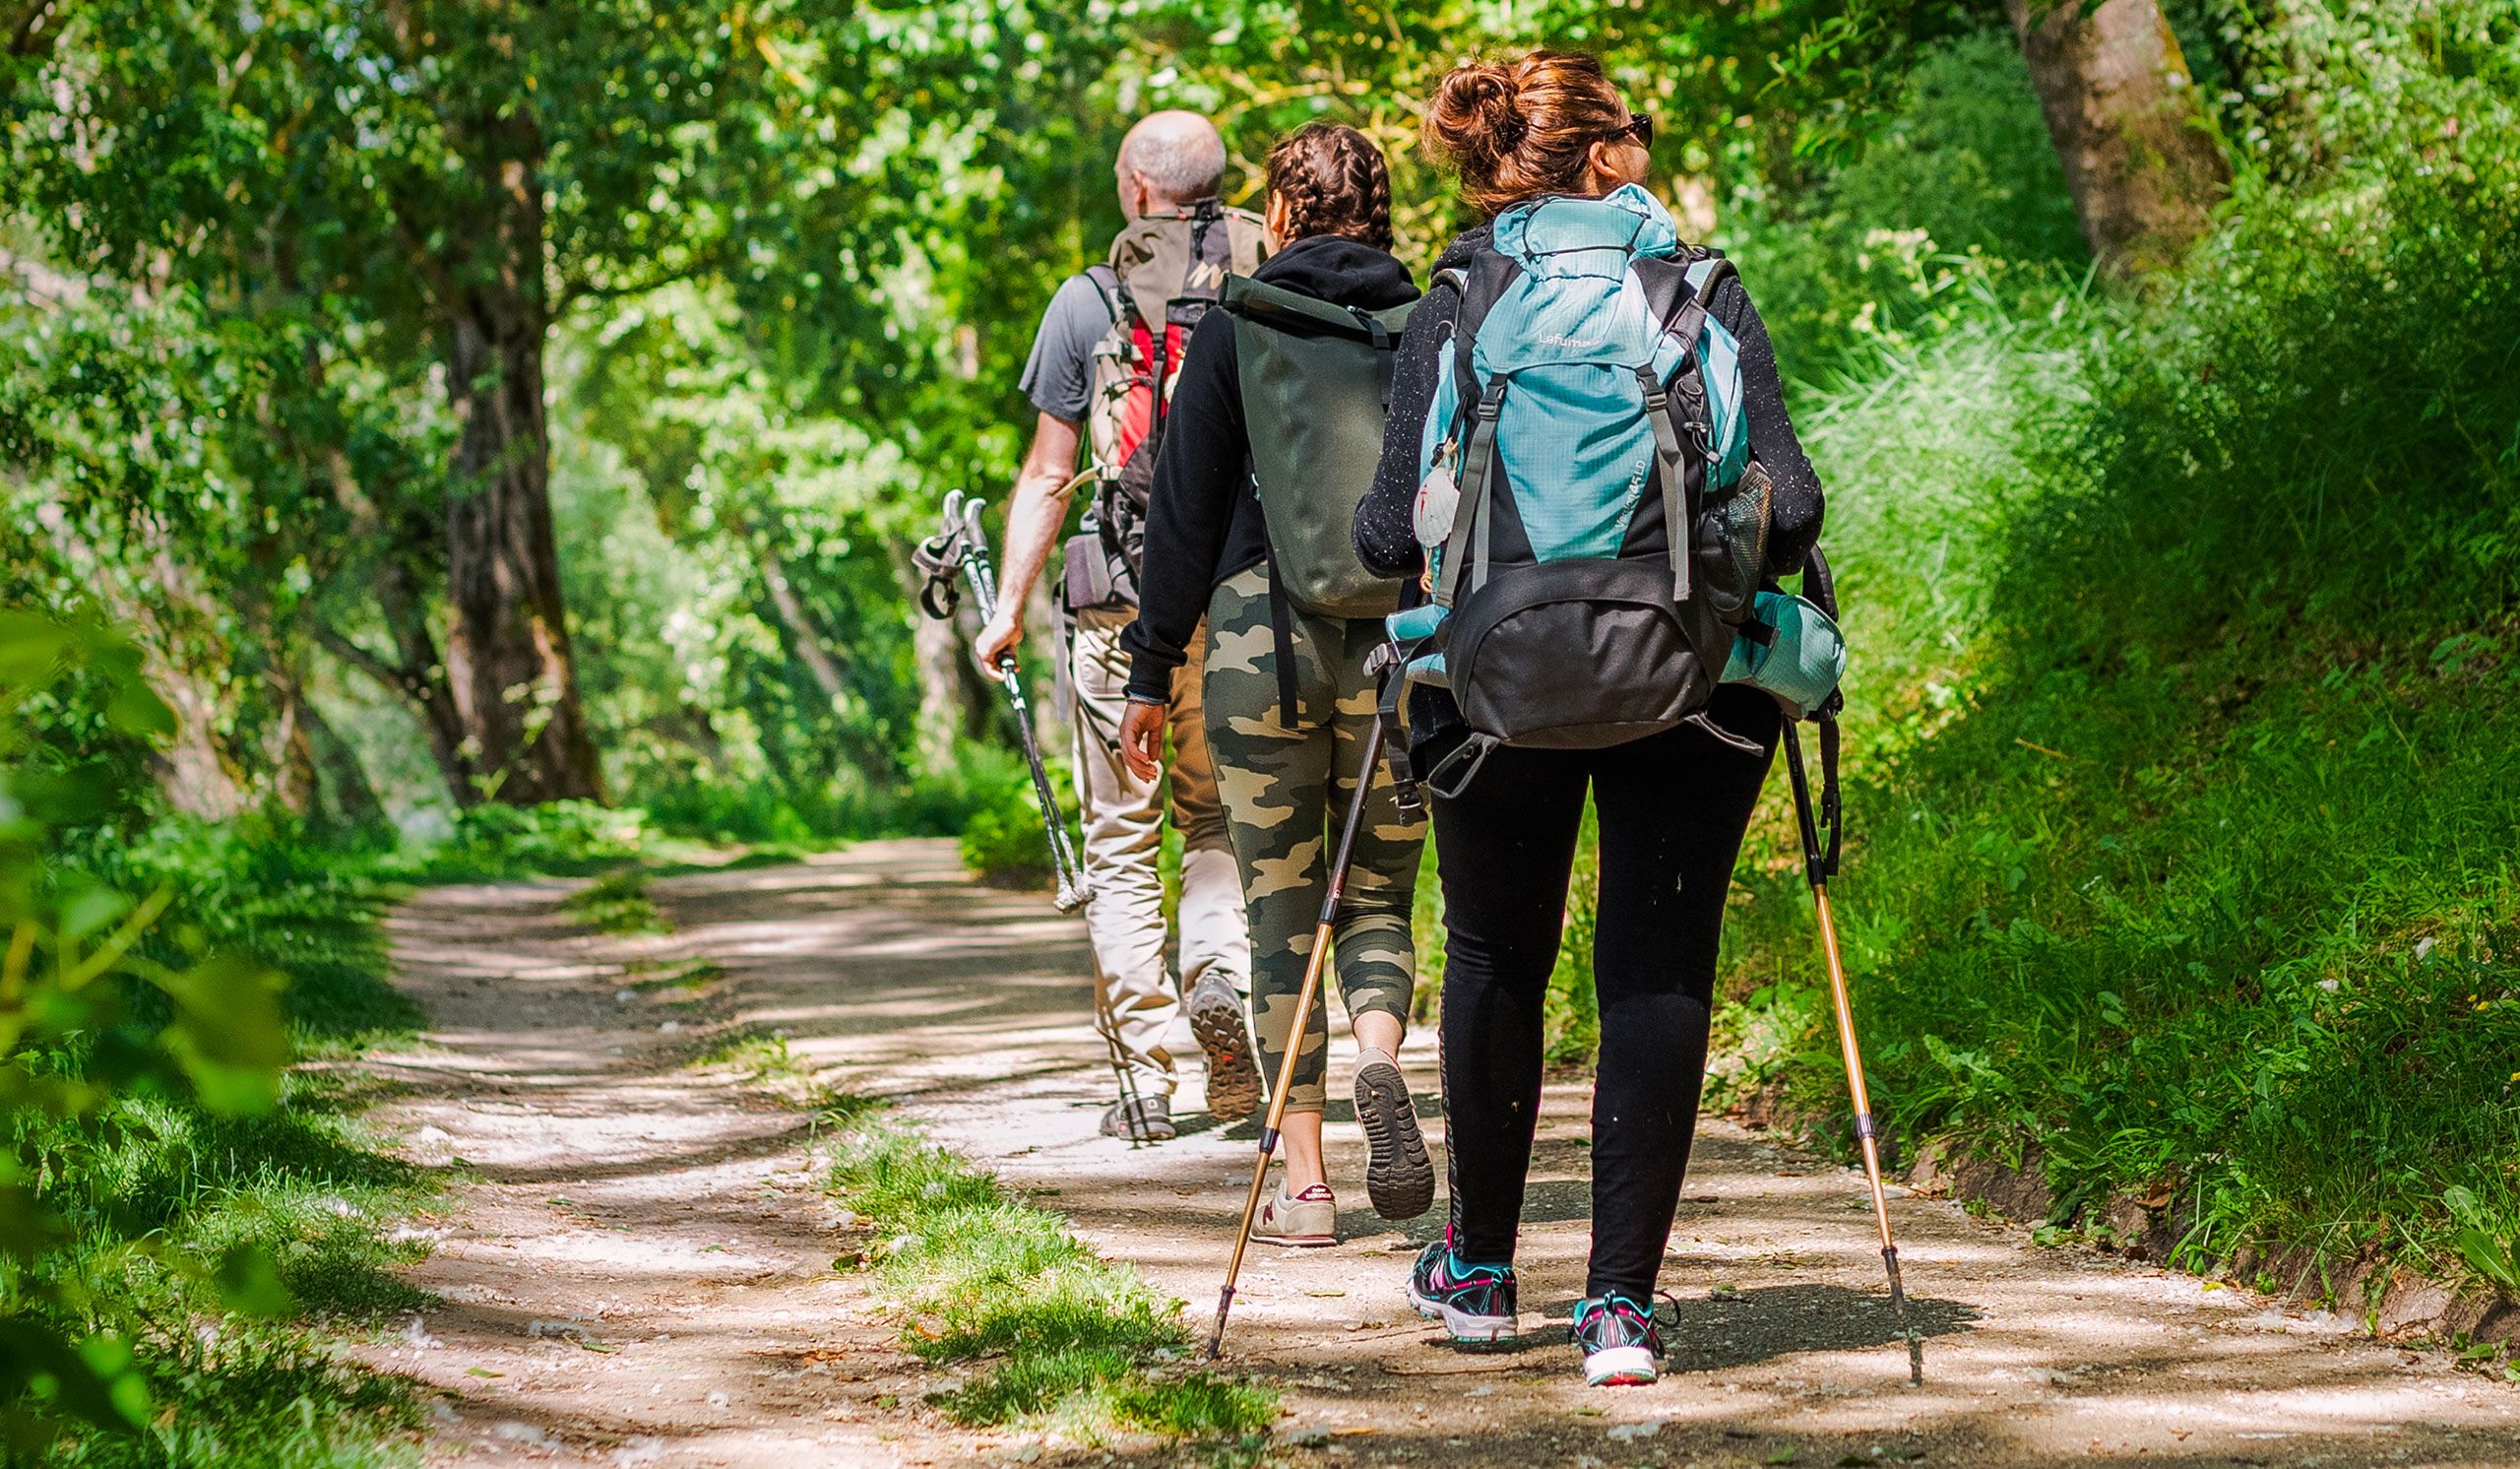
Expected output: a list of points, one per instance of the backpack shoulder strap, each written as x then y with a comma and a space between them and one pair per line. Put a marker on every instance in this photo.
1115, 291
1666, 281
1705, 274
1247, 240
1483, 285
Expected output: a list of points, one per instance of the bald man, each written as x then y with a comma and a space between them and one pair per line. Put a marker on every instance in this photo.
1107, 349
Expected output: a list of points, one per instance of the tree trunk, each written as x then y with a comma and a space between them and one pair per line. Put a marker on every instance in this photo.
2124, 114
175, 630
801, 631
507, 654
347, 796
289, 753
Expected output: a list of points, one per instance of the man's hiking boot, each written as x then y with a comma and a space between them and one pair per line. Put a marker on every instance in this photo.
1399, 1180
1234, 1078
1152, 1121
1475, 1302
1306, 1220
1621, 1346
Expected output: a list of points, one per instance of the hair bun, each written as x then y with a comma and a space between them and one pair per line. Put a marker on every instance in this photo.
1519, 129
1476, 116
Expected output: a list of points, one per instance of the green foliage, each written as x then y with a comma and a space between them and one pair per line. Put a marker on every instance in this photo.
618, 903
1571, 1011
2494, 1259
2180, 817
562, 837
1954, 202
1002, 836
981, 1275
165, 1197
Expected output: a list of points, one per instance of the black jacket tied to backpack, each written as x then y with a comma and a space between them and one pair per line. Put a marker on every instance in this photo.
1204, 521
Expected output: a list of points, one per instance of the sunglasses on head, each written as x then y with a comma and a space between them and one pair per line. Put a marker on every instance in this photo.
1639, 127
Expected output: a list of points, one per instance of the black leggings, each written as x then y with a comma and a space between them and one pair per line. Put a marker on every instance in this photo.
1672, 808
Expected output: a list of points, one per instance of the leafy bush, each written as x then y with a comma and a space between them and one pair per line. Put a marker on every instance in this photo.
560, 837
1955, 195
1002, 836
65, 1046
168, 1197
2182, 819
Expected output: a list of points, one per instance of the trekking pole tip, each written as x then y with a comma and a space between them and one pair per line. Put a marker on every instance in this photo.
1899, 1311
1216, 1338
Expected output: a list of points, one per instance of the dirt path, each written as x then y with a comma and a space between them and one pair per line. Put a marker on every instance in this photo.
642, 1275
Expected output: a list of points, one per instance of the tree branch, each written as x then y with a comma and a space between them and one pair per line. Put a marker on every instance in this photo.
28, 37
574, 292
390, 675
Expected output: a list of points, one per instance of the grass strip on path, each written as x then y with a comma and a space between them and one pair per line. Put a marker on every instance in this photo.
1075, 1343
617, 903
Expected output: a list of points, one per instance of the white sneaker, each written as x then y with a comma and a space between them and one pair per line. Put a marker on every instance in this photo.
1307, 1220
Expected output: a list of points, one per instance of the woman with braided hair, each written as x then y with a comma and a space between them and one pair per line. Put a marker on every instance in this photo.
1288, 743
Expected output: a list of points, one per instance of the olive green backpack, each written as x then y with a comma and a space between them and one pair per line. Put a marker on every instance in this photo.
1316, 387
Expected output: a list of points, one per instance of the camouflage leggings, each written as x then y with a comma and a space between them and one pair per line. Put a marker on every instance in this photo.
1284, 791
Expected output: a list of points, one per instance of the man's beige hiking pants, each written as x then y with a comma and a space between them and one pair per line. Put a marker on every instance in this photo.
1124, 840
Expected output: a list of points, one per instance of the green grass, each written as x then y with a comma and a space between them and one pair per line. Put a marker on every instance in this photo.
617, 903
2185, 738
294, 1206
690, 976
765, 1062
304, 1200
1073, 1343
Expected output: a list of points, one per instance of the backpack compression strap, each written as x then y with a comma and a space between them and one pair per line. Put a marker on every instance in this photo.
1688, 388
1471, 514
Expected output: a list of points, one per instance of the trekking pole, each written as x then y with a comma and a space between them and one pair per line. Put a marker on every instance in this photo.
1819, 864
960, 545
1305, 998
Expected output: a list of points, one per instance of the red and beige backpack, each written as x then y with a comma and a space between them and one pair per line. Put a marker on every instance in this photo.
1164, 271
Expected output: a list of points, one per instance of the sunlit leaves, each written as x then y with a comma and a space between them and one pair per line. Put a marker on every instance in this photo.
70, 966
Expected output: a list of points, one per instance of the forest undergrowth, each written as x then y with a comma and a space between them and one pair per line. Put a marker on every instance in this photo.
2184, 738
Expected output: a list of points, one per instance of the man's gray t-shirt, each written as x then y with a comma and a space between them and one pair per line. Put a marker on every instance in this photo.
1059, 375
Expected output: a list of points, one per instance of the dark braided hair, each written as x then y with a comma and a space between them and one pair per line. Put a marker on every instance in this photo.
1335, 182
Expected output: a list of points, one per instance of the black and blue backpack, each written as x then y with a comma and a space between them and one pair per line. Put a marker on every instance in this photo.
1595, 525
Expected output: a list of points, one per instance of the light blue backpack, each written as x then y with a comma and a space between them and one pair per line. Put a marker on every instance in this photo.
1592, 406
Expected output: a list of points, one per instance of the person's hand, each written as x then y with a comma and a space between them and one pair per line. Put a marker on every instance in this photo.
999, 639
1142, 739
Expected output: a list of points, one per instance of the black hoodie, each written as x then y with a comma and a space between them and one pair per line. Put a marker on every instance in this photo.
1203, 517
